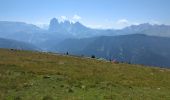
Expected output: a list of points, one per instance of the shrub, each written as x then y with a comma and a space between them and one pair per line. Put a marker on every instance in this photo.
93, 56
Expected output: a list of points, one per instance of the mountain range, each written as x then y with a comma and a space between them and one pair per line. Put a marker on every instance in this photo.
140, 44
135, 48
148, 29
13, 44
76, 30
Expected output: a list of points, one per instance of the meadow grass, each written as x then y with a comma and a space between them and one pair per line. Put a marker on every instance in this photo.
27, 75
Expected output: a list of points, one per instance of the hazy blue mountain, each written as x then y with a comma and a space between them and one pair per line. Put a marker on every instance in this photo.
13, 44
45, 39
137, 48
31, 34
20, 31
55, 26
77, 29
148, 29
80, 31
72, 46
59, 31
13, 27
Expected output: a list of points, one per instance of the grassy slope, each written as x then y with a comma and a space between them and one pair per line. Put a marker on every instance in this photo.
26, 75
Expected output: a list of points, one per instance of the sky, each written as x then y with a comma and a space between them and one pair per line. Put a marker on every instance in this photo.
115, 14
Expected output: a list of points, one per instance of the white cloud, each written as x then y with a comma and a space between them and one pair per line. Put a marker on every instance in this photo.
76, 17
135, 23
63, 18
73, 19
100, 26
95, 26
122, 22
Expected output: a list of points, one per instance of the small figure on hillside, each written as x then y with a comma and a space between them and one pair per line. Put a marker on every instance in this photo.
93, 56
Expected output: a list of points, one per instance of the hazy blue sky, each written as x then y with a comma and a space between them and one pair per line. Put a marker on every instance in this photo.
94, 13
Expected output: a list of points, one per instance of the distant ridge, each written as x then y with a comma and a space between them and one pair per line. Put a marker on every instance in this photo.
135, 48
13, 44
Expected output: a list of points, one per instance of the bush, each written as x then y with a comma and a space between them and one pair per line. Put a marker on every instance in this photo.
93, 56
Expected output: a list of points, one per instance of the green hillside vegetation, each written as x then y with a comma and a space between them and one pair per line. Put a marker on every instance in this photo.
26, 75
